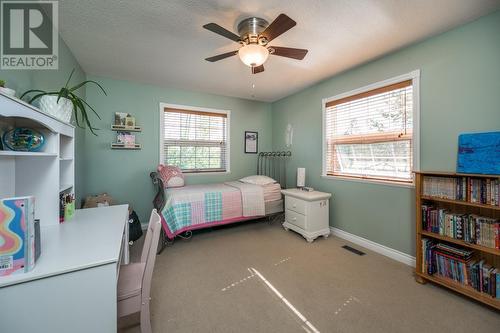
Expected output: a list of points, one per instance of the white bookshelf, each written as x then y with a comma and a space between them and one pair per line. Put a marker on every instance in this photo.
42, 174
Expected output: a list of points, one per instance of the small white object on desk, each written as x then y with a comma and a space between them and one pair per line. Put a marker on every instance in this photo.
307, 213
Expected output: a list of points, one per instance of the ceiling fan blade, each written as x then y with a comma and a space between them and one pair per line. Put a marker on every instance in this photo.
288, 52
257, 69
280, 25
222, 31
222, 56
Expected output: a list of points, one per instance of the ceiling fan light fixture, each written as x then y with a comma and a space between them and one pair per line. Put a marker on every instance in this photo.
253, 55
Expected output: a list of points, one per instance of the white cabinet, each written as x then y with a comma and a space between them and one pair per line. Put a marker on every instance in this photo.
307, 213
43, 174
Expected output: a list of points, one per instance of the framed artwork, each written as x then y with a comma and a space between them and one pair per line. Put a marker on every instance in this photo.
251, 142
479, 153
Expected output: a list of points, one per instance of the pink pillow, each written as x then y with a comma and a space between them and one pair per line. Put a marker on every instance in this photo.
171, 176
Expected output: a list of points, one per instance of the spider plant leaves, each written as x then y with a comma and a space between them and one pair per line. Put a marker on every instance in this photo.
69, 78
77, 119
79, 105
37, 96
98, 116
88, 81
85, 116
31, 91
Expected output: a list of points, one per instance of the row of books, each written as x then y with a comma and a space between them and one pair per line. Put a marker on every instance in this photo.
476, 190
459, 265
470, 228
484, 191
445, 187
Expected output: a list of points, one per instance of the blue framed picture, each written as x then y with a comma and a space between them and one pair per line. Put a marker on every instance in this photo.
479, 153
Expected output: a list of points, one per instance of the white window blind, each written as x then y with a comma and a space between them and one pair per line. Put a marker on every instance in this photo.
369, 135
195, 141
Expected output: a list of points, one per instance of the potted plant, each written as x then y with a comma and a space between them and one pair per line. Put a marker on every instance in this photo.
5, 90
61, 104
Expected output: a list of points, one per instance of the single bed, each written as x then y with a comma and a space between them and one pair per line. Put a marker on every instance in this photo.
193, 207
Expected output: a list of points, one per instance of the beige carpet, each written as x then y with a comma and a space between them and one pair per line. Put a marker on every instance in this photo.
204, 285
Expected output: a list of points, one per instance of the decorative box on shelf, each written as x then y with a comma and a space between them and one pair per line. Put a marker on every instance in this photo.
307, 213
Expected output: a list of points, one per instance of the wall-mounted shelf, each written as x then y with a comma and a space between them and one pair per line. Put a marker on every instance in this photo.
136, 146
123, 128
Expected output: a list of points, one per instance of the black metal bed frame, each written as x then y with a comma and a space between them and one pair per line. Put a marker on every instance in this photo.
271, 164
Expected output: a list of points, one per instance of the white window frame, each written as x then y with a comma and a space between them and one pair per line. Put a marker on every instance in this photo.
163, 106
415, 77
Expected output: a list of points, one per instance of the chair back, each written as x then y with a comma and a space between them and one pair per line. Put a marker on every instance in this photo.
148, 255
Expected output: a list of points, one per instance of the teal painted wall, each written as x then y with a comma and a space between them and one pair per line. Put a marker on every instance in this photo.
460, 92
460, 81
22, 80
125, 174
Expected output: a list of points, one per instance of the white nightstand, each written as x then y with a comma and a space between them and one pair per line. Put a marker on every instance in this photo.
307, 213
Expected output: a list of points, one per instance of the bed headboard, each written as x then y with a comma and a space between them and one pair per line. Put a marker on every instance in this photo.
273, 164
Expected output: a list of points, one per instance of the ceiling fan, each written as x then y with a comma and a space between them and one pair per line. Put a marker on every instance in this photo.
254, 35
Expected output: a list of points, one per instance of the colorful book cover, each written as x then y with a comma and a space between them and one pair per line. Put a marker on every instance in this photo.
17, 235
498, 284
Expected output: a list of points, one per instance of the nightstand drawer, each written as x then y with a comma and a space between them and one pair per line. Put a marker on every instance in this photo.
295, 204
295, 218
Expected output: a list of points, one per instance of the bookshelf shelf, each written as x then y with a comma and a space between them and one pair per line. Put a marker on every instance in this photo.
460, 207
461, 242
454, 174
39, 174
25, 153
467, 291
459, 202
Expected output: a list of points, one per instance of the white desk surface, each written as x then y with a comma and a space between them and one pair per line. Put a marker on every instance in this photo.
92, 238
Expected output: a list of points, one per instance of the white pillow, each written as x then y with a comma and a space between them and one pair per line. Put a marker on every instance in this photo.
258, 180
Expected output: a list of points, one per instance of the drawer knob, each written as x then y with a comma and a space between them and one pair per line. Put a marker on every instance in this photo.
294, 219
294, 206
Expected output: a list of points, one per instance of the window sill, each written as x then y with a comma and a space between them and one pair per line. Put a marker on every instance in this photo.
201, 173
371, 181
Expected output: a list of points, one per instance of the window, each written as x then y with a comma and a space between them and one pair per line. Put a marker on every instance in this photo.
370, 133
194, 139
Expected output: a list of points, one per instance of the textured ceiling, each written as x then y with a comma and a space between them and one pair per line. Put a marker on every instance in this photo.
163, 42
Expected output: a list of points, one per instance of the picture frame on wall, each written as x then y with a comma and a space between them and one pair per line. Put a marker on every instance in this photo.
251, 142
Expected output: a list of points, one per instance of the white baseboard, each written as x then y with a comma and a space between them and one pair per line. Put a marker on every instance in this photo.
375, 247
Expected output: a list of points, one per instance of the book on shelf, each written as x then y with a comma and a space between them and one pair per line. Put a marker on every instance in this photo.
470, 228
484, 191
17, 235
461, 266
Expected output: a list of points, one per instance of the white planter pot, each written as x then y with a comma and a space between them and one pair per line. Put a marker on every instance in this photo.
8, 91
61, 110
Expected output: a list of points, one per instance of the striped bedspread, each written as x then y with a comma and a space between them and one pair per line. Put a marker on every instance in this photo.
200, 206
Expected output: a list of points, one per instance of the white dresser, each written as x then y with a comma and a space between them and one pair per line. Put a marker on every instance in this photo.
307, 213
